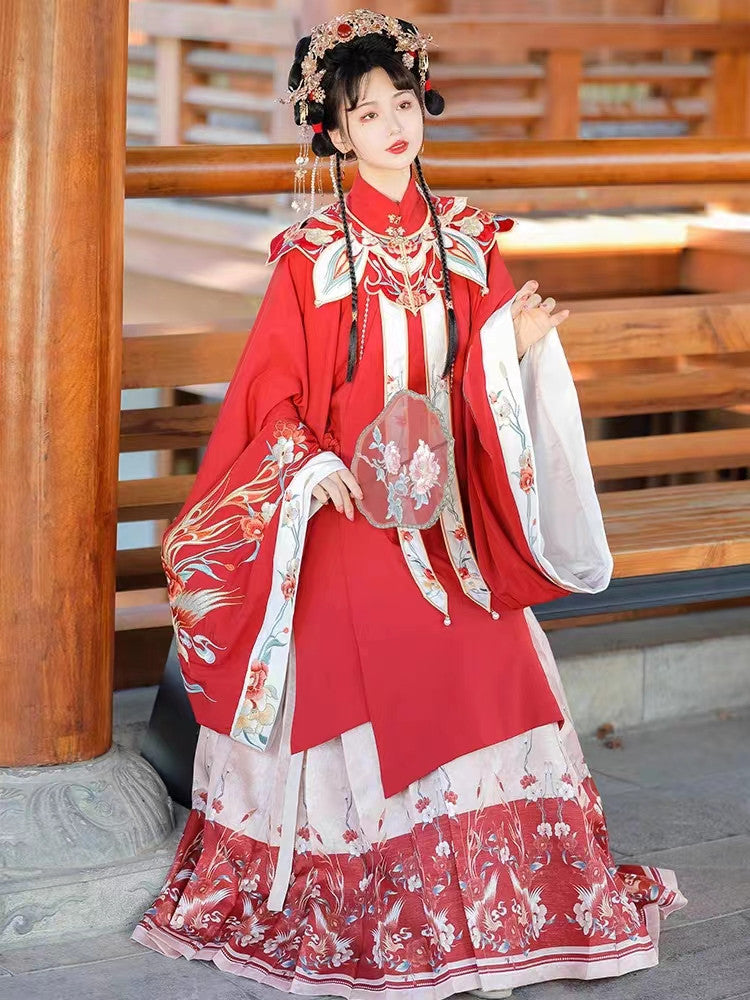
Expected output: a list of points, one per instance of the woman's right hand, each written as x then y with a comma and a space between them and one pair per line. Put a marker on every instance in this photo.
339, 487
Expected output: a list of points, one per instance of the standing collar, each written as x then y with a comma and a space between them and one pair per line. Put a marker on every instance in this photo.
375, 210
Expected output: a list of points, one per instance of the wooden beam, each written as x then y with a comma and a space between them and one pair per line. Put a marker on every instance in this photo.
152, 499
478, 32
161, 427
62, 88
155, 361
203, 171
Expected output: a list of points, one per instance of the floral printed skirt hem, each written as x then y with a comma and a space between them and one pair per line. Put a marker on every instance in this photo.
494, 871
456, 978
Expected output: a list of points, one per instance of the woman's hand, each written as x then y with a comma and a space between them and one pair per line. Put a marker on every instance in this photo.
338, 487
532, 318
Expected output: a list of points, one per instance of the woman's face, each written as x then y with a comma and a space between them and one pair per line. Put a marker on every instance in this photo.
386, 128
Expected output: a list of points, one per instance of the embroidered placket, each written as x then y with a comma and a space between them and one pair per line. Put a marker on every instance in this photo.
463, 560
396, 377
397, 234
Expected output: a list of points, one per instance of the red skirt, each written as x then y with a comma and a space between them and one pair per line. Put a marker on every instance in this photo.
492, 871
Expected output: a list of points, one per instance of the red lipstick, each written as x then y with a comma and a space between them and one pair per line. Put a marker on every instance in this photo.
398, 147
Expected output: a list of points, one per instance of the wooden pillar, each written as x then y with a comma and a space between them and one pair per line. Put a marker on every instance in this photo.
62, 120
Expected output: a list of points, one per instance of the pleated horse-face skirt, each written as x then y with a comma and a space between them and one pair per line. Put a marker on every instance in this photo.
492, 871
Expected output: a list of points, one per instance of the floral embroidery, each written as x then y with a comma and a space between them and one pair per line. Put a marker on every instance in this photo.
422, 477
229, 524
506, 410
253, 527
389, 470
391, 458
424, 470
258, 675
526, 473
452, 518
471, 226
416, 560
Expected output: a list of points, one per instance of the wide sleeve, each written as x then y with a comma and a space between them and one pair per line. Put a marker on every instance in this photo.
532, 487
232, 555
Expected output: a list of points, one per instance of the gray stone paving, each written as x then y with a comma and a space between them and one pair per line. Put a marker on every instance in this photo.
675, 795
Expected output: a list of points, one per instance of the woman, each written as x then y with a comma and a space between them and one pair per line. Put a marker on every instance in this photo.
389, 793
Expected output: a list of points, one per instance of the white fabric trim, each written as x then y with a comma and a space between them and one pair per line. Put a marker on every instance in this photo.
283, 873
395, 332
272, 642
291, 791
539, 427
460, 552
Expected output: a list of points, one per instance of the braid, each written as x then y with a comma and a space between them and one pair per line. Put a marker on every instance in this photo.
352, 274
452, 328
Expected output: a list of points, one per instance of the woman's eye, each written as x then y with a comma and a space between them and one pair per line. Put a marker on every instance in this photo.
405, 104
370, 114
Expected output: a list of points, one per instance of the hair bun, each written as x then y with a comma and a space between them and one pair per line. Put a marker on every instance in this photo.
434, 102
295, 73
295, 76
321, 144
302, 48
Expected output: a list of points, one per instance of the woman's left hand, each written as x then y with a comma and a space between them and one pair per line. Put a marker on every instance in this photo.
532, 317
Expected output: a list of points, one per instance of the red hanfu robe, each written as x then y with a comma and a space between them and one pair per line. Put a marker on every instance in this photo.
466, 868
368, 645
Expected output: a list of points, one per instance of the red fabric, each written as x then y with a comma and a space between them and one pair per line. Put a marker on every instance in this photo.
368, 645
488, 890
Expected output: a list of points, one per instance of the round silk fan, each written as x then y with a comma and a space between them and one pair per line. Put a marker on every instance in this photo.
404, 462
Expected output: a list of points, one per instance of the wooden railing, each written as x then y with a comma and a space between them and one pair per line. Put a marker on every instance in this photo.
202, 171
501, 76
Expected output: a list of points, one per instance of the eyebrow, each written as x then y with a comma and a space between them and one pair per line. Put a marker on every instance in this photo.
398, 93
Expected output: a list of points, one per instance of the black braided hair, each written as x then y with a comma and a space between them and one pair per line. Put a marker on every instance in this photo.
452, 327
352, 274
346, 65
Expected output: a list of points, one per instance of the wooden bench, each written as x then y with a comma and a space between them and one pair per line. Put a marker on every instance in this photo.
683, 353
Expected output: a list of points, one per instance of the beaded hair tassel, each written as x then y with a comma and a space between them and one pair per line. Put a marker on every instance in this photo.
301, 163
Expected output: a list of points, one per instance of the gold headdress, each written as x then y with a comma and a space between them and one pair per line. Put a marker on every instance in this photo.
342, 29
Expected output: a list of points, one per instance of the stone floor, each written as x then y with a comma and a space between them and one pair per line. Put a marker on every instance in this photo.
675, 795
